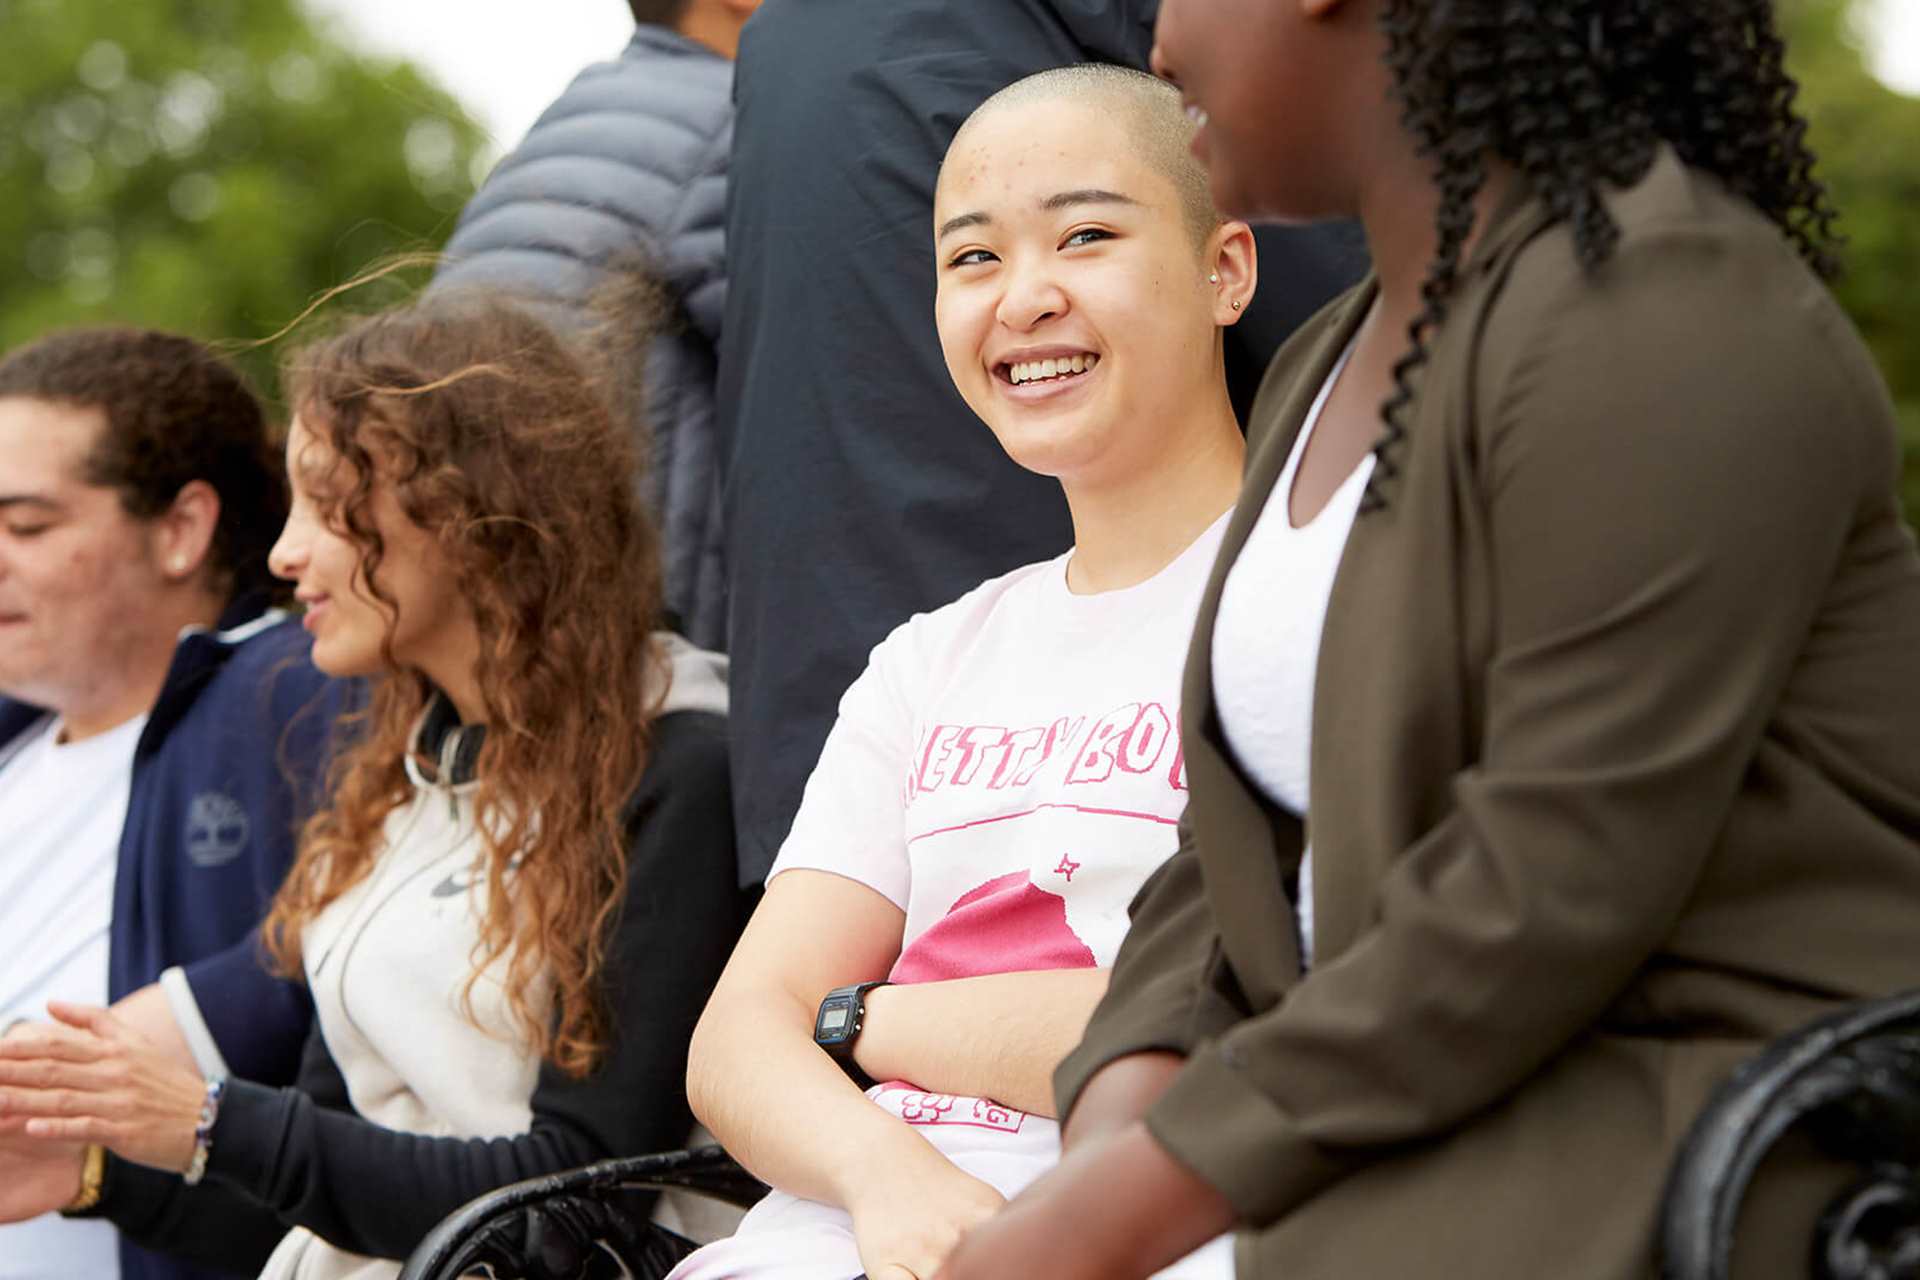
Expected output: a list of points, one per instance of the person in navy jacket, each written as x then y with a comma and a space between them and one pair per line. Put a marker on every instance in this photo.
139, 640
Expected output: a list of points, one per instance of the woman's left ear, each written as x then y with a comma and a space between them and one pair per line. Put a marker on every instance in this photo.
1233, 271
183, 533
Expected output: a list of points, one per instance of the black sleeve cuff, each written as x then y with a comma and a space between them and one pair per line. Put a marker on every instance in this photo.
250, 1135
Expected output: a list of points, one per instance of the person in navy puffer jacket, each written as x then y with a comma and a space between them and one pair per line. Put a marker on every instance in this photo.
627, 172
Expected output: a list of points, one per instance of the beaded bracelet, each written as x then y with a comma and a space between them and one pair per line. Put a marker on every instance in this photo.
203, 1133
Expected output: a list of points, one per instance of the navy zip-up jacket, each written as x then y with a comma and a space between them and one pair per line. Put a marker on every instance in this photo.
209, 834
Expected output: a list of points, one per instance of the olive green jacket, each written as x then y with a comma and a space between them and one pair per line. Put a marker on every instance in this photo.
1615, 765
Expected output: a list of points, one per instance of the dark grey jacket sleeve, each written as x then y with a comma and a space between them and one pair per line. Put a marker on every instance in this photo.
693, 251
627, 167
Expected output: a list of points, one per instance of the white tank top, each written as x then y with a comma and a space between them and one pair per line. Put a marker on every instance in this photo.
1266, 637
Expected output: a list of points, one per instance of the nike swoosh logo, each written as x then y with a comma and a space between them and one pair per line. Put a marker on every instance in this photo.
453, 886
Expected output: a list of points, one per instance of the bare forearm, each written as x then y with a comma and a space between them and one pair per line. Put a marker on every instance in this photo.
1112, 1210
996, 1036
1120, 1095
784, 1109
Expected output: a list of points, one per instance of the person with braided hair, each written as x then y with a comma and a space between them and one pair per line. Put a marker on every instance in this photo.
1553, 713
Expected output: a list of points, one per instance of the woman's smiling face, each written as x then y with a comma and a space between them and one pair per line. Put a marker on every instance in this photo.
420, 620
1073, 303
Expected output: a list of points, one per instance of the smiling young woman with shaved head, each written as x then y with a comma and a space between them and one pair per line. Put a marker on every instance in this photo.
1006, 773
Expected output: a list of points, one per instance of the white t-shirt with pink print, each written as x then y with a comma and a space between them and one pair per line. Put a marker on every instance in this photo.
1008, 771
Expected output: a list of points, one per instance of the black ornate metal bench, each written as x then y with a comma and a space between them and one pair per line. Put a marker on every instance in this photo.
579, 1225
1851, 1082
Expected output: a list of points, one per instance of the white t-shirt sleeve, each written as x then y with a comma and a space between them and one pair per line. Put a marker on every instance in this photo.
192, 1023
852, 818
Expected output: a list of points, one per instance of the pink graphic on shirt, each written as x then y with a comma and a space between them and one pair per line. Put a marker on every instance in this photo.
1131, 738
1004, 925
918, 1107
926, 1108
1177, 776
987, 754
1160, 818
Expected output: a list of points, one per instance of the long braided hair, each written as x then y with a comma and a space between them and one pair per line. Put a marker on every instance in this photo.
1577, 95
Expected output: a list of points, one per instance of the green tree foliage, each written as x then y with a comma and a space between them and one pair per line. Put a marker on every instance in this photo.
1868, 140
207, 166
212, 165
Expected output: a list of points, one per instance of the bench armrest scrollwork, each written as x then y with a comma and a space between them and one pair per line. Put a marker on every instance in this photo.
1851, 1081
586, 1222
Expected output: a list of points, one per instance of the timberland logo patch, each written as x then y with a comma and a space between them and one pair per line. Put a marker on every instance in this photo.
217, 829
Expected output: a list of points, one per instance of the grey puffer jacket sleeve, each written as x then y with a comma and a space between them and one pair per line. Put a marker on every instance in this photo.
627, 170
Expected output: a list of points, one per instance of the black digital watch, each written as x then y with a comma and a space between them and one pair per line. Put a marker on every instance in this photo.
843, 1011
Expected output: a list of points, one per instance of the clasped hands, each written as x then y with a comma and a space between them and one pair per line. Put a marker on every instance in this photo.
87, 1077
1117, 1207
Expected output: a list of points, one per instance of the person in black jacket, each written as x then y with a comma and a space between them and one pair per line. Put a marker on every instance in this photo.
522, 886
625, 174
859, 488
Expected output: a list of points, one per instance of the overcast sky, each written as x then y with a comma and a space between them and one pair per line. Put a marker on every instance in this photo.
1894, 32
506, 59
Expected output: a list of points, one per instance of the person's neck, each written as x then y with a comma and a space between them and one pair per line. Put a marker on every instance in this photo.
713, 26
1397, 211
455, 671
105, 714
1128, 528
139, 669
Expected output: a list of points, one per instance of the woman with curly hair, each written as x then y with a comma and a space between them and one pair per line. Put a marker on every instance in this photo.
1553, 714
523, 888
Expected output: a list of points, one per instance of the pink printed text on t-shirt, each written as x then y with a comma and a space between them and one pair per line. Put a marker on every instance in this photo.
1133, 738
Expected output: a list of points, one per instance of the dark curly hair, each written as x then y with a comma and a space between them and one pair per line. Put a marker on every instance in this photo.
175, 412
1577, 95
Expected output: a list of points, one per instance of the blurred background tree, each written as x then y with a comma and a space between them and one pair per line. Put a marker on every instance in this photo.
1868, 140
207, 166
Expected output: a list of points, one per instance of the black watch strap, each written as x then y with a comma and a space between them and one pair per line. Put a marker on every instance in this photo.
837, 1025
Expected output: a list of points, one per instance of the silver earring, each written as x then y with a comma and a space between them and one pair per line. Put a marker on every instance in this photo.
1214, 278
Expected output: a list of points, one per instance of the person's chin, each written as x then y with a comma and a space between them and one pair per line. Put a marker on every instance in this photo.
22, 665
1054, 453
342, 659
1262, 204
16, 684
1233, 195
1230, 197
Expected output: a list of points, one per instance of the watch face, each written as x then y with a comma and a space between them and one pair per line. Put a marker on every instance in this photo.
836, 1017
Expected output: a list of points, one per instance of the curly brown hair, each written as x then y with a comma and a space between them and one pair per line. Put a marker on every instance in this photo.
494, 439
175, 412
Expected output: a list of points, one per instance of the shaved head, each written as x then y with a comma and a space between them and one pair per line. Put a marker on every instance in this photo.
1152, 117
